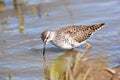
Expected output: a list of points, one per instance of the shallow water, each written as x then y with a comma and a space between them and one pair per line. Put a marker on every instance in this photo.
21, 53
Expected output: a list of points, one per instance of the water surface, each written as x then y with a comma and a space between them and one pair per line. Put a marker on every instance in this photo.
21, 53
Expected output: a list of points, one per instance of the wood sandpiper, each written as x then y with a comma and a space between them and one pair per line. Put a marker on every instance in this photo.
70, 37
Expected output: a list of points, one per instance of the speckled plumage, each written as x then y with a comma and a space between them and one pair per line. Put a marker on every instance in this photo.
70, 36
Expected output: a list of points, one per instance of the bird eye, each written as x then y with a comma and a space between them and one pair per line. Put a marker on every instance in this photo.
47, 38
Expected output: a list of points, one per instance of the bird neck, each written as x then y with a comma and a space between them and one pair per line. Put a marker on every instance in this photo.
53, 34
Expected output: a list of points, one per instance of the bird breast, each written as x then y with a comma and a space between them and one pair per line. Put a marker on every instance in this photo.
64, 42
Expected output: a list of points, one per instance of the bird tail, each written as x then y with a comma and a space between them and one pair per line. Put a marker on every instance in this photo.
96, 27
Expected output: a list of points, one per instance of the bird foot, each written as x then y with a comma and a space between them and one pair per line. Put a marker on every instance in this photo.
88, 45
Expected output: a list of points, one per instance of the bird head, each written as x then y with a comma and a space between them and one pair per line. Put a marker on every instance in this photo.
47, 36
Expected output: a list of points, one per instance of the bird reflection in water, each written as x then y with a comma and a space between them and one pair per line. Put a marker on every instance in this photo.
65, 64
75, 65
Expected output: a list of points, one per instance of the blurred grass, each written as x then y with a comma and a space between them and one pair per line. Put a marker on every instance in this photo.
19, 9
10, 76
2, 6
21, 19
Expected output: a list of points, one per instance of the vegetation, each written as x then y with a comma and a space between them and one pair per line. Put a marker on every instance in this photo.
76, 65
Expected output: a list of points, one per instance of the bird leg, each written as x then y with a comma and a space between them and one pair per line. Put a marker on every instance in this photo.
88, 45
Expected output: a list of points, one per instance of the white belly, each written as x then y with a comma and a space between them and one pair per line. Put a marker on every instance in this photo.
66, 45
65, 42
62, 45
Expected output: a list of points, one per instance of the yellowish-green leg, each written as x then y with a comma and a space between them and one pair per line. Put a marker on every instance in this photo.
88, 45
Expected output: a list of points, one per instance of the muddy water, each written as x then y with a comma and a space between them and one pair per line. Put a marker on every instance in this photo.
21, 53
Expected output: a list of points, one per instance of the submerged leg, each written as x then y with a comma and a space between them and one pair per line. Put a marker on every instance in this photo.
88, 45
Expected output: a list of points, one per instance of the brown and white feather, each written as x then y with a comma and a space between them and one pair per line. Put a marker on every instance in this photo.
81, 32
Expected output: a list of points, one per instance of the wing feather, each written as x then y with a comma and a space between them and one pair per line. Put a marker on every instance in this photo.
81, 32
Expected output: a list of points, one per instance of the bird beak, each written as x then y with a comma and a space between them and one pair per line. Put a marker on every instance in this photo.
44, 49
45, 42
